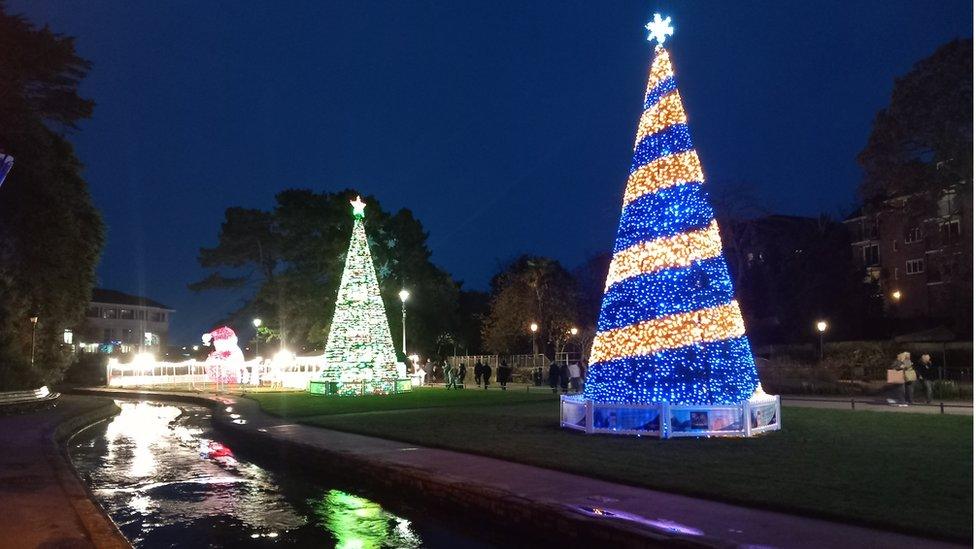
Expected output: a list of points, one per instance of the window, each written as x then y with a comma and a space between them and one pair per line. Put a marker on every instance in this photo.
915, 266
949, 232
68, 337
107, 335
92, 312
159, 317
140, 315
150, 339
913, 234
871, 255
108, 312
127, 336
127, 314
896, 273
894, 245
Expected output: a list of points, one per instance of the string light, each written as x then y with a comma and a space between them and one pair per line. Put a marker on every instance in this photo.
670, 330
359, 350
680, 250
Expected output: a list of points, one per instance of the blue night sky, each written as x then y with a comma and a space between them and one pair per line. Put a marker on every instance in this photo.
505, 127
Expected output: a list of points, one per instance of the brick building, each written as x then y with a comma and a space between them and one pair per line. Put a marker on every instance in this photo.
915, 253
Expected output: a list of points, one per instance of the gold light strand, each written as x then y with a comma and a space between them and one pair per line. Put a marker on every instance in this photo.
671, 251
663, 173
666, 112
670, 332
661, 69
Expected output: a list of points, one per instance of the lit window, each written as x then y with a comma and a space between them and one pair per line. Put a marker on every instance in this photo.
69, 337
915, 266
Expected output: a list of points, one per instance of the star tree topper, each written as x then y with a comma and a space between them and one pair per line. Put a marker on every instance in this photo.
659, 29
358, 207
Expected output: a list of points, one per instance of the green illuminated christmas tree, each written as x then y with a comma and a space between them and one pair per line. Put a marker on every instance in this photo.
359, 351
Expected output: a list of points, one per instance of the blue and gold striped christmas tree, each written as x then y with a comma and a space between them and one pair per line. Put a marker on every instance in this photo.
670, 329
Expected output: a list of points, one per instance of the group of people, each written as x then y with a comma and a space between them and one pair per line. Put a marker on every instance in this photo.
566, 376
908, 373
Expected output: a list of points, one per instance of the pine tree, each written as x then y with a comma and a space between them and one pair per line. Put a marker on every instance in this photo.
359, 347
670, 330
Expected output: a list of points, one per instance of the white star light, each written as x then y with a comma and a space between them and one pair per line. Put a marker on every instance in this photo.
659, 29
358, 207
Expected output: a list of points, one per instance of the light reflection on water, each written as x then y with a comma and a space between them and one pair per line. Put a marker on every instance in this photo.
164, 480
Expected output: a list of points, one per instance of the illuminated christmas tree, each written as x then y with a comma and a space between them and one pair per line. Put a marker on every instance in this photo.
359, 352
670, 330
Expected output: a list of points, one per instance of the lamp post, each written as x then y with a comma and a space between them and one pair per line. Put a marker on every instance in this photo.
821, 328
573, 331
33, 320
535, 347
404, 295
257, 325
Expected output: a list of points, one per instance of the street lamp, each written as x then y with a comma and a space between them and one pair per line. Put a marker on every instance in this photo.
896, 295
404, 295
257, 324
821, 327
535, 347
33, 320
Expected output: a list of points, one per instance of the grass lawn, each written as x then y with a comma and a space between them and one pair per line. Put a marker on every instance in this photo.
911, 472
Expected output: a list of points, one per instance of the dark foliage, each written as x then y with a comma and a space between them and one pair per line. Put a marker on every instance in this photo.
51, 235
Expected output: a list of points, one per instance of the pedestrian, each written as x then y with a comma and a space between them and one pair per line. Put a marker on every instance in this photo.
428, 372
537, 376
478, 368
553, 376
928, 372
486, 374
564, 377
504, 375
448, 375
900, 372
462, 373
574, 377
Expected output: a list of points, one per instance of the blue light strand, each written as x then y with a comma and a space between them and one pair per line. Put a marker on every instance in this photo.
666, 86
671, 140
719, 372
703, 284
664, 213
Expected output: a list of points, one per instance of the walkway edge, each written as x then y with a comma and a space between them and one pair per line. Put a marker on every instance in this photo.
102, 531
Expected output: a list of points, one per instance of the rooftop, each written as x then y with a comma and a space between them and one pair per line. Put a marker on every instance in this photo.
102, 295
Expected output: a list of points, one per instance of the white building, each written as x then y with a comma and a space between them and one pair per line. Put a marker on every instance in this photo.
119, 321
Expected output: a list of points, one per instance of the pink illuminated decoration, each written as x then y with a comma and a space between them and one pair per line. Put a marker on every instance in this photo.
226, 363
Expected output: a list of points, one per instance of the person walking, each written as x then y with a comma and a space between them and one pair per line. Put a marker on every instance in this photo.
564, 377
448, 375
929, 374
553, 376
462, 373
477, 373
486, 374
903, 373
504, 374
574, 377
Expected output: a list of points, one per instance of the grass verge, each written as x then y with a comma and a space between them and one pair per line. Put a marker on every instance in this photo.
907, 472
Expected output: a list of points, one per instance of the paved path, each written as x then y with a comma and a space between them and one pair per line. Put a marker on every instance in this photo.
42, 501
954, 407
681, 518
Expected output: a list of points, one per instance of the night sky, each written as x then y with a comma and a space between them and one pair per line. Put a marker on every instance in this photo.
505, 128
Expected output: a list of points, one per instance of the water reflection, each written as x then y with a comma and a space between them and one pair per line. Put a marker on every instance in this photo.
359, 523
164, 479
